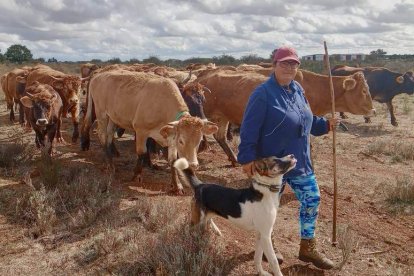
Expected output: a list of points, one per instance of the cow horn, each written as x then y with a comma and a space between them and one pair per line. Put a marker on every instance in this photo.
188, 78
29, 95
206, 89
400, 79
56, 78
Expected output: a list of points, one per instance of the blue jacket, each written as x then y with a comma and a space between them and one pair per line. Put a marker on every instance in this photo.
277, 122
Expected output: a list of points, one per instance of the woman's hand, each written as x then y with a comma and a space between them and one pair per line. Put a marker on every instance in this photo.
333, 123
249, 169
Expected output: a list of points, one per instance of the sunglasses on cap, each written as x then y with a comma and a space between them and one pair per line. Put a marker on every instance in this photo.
288, 64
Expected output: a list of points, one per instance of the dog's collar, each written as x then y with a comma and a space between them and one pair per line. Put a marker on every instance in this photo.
272, 187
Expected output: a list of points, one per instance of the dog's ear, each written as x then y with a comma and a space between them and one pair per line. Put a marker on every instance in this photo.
261, 166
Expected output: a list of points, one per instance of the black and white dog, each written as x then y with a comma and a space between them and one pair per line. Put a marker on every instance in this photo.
253, 208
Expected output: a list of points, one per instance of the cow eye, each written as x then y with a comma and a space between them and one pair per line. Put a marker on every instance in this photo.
181, 142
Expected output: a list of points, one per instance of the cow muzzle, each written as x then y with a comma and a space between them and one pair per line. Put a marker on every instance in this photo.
73, 101
41, 122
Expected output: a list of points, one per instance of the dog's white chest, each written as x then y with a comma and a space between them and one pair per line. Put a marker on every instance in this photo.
258, 214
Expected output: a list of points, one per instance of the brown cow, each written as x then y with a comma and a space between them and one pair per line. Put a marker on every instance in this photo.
231, 90
14, 91
45, 107
68, 87
383, 84
86, 70
351, 93
3, 82
151, 106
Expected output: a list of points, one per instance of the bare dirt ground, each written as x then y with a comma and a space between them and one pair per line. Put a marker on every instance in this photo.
384, 240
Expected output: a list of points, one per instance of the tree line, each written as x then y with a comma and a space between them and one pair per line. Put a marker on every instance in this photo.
19, 54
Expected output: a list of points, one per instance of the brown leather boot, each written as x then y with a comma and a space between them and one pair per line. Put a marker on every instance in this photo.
309, 254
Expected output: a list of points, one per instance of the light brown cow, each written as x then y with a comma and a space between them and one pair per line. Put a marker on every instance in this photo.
68, 87
231, 90
351, 93
151, 106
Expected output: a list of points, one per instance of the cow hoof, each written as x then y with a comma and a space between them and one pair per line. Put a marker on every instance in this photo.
179, 192
394, 123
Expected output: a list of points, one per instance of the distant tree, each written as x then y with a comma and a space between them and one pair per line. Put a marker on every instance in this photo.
224, 60
273, 54
52, 60
252, 59
1, 57
133, 60
40, 60
379, 52
95, 61
152, 59
18, 53
376, 54
114, 60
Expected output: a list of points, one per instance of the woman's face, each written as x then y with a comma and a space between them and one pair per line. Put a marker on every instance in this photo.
285, 71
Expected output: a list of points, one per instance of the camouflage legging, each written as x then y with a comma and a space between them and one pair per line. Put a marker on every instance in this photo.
307, 192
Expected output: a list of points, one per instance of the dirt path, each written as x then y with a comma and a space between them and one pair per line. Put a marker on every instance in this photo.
385, 241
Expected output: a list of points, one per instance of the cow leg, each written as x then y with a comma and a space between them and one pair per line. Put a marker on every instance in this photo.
141, 150
21, 114
109, 141
120, 131
221, 139
177, 187
12, 118
367, 120
151, 146
203, 145
343, 115
51, 136
392, 115
75, 119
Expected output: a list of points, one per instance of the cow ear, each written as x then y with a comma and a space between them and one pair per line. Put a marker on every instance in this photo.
209, 128
26, 101
168, 130
400, 79
349, 83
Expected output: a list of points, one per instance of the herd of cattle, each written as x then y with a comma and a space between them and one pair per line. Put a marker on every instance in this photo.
175, 108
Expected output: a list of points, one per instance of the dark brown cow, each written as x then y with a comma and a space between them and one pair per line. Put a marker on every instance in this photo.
45, 107
68, 87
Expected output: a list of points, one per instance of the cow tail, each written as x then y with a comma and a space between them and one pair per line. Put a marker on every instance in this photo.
90, 112
184, 169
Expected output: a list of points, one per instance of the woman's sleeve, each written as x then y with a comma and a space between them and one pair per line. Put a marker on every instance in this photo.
253, 118
319, 126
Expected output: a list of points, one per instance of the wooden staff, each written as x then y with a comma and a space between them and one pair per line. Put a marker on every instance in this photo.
334, 242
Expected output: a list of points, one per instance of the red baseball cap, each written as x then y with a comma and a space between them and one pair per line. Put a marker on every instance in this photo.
286, 53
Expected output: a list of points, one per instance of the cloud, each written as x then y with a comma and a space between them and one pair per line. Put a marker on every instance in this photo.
82, 30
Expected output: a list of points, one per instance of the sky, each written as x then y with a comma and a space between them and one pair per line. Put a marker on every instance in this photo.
75, 30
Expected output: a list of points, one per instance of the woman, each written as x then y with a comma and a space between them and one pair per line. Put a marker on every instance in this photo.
278, 121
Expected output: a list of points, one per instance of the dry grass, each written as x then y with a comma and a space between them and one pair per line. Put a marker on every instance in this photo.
184, 250
62, 199
347, 243
398, 150
400, 196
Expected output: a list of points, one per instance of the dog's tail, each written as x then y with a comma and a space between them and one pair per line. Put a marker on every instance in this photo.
189, 176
